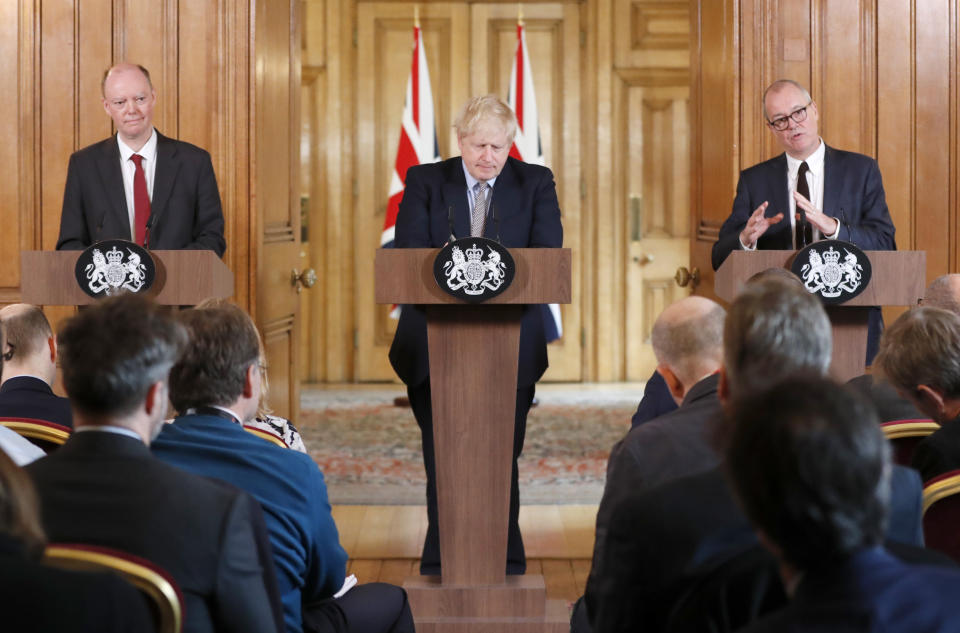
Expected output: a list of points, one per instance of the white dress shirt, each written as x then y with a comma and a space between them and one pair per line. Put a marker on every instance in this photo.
128, 168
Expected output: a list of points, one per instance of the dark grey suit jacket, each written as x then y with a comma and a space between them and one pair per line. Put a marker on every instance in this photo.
29, 397
106, 489
185, 208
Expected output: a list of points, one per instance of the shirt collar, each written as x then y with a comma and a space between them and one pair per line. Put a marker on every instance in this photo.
471, 181
109, 428
148, 151
814, 161
229, 412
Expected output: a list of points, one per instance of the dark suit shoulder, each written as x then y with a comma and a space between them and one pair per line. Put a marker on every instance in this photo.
850, 158
106, 146
763, 169
181, 146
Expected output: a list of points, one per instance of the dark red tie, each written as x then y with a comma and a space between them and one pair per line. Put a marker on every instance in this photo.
141, 202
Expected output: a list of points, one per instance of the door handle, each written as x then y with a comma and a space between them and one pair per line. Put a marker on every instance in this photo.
686, 277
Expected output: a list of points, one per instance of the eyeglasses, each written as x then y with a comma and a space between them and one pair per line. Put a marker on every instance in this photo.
783, 122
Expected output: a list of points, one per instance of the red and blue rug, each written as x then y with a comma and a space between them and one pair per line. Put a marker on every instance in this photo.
369, 449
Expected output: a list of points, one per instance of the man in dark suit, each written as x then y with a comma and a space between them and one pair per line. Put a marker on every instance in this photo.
840, 196
483, 192
103, 487
140, 185
216, 387
658, 539
30, 367
810, 467
918, 356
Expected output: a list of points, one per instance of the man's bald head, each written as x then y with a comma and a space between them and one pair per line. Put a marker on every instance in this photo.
944, 293
30, 348
688, 339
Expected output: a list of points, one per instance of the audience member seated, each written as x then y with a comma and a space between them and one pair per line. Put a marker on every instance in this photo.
35, 598
30, 368
920, 356
103, 487
656, 401
216, 387
21, 450
811, 469
943, 292
657, 540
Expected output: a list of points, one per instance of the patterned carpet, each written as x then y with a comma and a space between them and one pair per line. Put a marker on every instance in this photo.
369, 449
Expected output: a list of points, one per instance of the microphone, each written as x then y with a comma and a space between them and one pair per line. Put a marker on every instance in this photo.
146, 236
496, 221
453, 237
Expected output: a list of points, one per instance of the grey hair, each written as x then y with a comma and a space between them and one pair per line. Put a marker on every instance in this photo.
944, 292
774, 329
922, 347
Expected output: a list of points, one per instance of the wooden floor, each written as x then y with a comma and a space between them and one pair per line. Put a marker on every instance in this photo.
384, 543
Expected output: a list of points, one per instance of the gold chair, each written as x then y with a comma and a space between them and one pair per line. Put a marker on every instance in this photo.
266, 435
904, 435
38, 430
144, 575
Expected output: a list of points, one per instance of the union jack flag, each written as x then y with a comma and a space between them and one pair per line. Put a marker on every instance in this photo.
526, 144
418, 137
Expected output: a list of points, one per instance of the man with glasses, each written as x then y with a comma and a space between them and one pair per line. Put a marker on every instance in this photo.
140, 185
808, 193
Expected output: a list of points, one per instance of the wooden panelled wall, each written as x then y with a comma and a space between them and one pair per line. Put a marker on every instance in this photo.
223, 72
612, 88
885, 76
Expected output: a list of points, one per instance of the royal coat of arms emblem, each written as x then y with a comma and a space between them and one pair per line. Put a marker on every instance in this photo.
836, 274
474, 269
105, 269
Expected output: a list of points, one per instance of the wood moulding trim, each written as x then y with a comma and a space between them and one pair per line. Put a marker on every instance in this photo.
654, 77
277, 328
273, 233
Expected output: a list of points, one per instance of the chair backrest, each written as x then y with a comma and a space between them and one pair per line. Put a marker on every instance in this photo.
46, 435
941, 514
904, 435
149, 578
266, 435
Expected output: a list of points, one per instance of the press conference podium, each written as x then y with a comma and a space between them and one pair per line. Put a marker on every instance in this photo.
473, 379
183, 278
899, 278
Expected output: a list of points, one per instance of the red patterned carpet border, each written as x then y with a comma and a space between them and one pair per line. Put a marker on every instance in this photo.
370, 453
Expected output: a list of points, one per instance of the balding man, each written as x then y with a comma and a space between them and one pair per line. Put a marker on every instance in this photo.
30, 367
140, 185
687, 340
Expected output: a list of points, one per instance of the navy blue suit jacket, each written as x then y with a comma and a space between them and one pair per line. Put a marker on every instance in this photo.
527, 215
185, 206
658, 540
871, 592
309, 560
29, 397
852, 193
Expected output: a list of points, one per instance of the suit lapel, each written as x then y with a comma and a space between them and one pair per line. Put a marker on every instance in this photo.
506, 196
831, 192
455, 196
168, 166
111, 177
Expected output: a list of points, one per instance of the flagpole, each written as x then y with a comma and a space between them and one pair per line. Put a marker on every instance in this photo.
416, 15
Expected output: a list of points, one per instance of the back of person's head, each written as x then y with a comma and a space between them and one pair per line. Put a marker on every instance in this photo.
774, 272
688, 338
774, 328
113, 351
811, 467
19, 508
944, 292
223, 344
27, 331
922, 347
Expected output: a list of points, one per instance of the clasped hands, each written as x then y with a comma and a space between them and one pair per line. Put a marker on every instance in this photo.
757, 225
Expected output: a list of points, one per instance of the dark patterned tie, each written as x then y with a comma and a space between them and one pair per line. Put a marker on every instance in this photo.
803, 233
479, 216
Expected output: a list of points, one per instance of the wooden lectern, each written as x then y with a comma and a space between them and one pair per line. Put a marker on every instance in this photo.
899, 278
183, 278
473, 380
